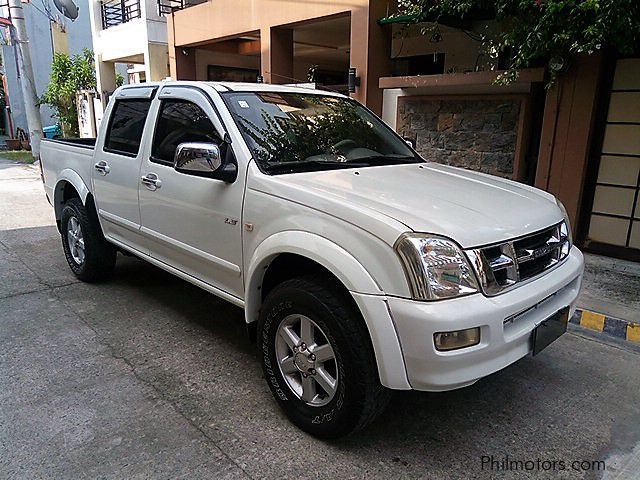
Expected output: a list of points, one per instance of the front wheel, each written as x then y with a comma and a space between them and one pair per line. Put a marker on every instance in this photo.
90, 257
318, 359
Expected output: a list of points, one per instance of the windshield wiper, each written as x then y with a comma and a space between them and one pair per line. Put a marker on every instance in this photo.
310, 165
391, 160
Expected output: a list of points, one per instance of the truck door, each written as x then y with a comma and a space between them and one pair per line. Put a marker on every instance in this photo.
117, 167
192, 223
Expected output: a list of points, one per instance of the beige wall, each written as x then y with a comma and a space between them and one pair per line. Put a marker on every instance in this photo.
228, 18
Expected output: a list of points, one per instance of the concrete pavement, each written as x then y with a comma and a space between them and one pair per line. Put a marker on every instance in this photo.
611, 287
146, 376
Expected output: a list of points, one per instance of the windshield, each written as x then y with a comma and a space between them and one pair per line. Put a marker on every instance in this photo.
296, 132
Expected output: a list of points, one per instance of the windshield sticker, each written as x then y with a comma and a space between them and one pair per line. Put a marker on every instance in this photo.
243, 104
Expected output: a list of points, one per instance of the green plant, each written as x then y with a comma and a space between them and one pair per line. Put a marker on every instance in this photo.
69, 75
542, 32
119, 79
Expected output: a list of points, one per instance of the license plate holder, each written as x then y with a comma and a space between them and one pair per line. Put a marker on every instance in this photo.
550, 330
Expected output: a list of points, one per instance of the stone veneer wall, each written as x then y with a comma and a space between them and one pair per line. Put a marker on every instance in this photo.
479, 134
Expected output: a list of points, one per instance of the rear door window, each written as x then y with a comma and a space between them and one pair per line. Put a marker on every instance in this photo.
126, 125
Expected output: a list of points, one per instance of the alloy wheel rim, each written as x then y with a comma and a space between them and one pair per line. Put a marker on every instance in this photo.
306, 360
75, 240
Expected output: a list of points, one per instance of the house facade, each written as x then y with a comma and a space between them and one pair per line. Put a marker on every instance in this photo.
579, 140
129, 36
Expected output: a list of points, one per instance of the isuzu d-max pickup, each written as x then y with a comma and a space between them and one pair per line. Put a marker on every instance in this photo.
362, 267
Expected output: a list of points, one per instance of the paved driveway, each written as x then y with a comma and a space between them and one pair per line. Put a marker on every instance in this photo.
148, 377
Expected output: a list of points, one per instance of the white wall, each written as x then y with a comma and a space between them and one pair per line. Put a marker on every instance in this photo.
121, 41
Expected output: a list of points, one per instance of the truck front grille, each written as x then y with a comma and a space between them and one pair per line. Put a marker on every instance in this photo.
503, 266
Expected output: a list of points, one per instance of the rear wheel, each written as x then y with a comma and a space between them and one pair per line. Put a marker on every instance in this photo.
90, 257
318, 359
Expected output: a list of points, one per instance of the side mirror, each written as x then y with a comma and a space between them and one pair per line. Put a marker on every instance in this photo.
203, 160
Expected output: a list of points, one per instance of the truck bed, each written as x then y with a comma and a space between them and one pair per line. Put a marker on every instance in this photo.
66, 159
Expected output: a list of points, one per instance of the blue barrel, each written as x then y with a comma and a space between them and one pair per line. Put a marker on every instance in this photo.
52, 131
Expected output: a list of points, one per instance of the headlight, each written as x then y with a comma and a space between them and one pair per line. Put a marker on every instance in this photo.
435, 267
566, 220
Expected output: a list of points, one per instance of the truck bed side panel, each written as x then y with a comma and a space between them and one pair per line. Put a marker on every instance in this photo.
68, 160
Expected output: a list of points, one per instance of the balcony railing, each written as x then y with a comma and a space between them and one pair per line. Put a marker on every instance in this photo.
166, 7
115, 12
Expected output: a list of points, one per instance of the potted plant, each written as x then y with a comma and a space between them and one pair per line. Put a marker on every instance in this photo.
23, 138
14, 143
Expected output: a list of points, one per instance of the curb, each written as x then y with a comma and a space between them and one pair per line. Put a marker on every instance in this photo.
615, 327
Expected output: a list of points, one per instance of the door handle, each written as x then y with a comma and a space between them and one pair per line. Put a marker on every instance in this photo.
151, 181
102, 167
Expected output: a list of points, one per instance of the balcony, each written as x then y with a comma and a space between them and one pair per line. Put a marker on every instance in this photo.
116, 12
166, 7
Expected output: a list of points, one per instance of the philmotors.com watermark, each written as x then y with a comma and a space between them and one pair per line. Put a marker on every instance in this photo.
510, 464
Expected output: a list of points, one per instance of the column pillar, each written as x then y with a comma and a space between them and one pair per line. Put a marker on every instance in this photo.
371, 51
567, 129
156, 59
276, 45
105, 71
105, 79
182, 61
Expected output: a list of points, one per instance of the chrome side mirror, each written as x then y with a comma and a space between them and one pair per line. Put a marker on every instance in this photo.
197, 158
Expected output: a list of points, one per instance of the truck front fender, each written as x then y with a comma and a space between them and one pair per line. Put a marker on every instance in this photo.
365, 291
314, 247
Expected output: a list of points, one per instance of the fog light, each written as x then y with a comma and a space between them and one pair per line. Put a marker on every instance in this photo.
459, 339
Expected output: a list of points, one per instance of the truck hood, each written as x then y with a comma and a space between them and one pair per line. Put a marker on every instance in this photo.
471, 208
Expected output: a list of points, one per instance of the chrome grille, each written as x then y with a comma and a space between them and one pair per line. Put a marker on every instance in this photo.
503, 266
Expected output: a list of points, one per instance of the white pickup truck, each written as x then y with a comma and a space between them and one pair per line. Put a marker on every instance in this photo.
362, 268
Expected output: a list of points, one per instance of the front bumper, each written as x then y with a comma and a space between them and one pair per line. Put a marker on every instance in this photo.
501, 343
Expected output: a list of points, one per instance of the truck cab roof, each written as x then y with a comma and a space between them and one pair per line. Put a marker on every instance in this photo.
235, 87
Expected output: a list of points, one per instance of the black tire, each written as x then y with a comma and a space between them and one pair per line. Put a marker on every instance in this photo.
359, 397
99, 255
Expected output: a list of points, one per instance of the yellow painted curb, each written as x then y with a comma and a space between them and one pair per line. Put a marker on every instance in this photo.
633, 332
593, 321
